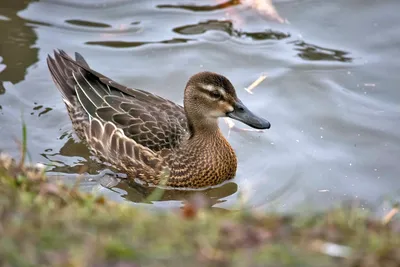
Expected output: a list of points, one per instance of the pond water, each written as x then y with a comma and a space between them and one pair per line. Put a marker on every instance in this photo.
331, 93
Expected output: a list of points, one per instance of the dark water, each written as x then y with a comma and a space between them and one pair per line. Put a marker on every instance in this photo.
332, 92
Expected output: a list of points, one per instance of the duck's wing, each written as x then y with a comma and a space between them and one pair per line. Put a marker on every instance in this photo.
148, 119
110, 144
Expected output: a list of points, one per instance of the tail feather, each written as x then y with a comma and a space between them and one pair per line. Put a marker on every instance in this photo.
61, 72
79, 58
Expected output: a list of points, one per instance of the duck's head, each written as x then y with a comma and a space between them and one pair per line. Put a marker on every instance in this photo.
209, 96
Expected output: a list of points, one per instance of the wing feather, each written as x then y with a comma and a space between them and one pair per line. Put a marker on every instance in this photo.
146, 118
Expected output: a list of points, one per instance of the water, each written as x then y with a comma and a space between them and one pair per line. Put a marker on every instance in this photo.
331, 94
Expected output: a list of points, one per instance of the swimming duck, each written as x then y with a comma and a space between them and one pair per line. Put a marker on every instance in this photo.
148, 137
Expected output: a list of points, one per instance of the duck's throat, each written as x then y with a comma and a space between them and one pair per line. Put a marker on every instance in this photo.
202, 126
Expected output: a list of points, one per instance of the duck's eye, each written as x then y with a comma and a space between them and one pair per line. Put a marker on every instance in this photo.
215, 94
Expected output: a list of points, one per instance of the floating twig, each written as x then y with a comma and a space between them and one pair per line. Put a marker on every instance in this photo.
255, 83
231, 125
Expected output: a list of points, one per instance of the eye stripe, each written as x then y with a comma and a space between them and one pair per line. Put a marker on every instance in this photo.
204, 91
209, 94
210, 88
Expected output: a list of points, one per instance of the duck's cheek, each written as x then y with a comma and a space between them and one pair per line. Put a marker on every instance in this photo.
225, 107
217, 113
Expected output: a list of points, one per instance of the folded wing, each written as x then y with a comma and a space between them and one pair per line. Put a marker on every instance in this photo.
148, 119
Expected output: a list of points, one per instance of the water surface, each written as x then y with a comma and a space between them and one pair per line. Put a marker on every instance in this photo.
331, 94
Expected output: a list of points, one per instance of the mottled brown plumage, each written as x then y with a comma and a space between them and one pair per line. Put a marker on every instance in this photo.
149, 137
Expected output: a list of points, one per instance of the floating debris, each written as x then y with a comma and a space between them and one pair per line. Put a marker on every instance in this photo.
265, 8
230, 122
369, 84
323, 190
231, 125
255, 83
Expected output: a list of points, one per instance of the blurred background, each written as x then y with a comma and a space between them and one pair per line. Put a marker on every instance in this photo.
331, 90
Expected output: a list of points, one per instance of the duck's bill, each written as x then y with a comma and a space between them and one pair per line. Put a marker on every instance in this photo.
243, 114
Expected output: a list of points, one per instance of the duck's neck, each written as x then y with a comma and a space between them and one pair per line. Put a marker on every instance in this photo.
204, 127
206, 137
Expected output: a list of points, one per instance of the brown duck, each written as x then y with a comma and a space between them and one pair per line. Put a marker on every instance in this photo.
148, 137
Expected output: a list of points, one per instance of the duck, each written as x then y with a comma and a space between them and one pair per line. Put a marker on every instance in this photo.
151, 139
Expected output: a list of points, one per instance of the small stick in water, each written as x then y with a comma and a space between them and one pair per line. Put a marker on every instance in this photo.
231, 125
255, 83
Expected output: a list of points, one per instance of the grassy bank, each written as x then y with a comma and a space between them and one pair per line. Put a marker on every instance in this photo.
47, 224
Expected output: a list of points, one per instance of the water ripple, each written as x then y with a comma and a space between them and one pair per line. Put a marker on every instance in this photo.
205, 8
86, 23
90, 5
227, 26
313, 53
124, 44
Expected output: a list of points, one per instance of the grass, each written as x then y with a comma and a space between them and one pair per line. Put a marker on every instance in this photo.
48, 224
